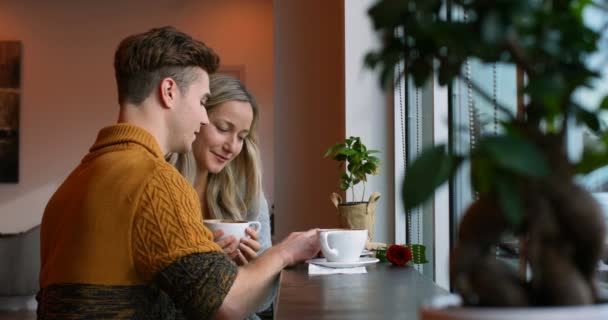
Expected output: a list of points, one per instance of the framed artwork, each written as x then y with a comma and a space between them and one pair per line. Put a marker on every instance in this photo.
10, 94
237, 71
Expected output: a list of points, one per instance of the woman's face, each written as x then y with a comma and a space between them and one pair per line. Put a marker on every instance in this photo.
222, 139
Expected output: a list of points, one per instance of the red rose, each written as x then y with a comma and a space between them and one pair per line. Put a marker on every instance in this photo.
399, 255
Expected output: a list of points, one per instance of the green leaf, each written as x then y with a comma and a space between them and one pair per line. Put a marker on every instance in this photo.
590, 119
431, 169
335, 148
361, 177
357, 146
516, 155
592, 159
385, 13
345, 181
348, 152
369, 168
509, 200
381, 254
373, 159
344, 185
352, 167
339, 157
372, 151
482, 174
548, 91
579, 6
604, 104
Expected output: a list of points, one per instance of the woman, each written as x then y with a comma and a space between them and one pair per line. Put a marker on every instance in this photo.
224, 167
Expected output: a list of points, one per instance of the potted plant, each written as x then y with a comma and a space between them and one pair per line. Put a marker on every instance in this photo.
522, 176
359, 162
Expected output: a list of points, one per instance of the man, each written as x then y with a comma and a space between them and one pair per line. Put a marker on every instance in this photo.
122, 237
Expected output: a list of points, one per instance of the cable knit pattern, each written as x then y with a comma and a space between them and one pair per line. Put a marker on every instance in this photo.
169, 225
120, 218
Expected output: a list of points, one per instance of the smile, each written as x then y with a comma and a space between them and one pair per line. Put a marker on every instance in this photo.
222, 158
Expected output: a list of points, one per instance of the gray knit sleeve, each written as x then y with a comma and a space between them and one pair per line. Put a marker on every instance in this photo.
263, 216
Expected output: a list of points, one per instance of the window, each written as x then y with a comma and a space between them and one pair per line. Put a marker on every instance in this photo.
422, 119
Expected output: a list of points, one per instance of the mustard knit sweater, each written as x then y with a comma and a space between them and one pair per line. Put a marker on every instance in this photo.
122, 218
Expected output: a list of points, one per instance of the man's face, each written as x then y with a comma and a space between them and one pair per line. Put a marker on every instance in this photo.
190, 112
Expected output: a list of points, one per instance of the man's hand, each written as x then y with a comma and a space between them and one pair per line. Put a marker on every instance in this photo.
300, 246
254, 281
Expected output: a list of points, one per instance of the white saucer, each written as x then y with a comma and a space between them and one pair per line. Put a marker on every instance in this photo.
362, 261
367, 253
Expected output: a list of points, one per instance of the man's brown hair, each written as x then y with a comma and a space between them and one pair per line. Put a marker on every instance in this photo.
143, 60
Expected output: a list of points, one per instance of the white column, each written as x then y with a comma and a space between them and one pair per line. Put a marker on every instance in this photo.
441, 203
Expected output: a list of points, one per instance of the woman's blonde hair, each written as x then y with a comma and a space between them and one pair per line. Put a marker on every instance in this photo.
235, 191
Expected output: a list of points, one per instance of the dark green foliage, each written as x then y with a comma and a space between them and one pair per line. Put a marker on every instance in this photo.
547, 40
431, 169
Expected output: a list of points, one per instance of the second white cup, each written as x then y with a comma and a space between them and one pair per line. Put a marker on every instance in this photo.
342, 245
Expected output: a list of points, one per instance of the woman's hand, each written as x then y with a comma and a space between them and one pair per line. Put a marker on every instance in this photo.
248, 248
229, 244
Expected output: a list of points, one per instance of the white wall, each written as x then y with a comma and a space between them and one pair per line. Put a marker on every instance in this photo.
369, 114
309, 111
68, 90
322, 95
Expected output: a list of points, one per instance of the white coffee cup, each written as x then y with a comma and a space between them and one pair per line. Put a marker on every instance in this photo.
342, 245
235, 228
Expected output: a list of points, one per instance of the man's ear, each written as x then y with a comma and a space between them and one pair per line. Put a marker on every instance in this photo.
168, 92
